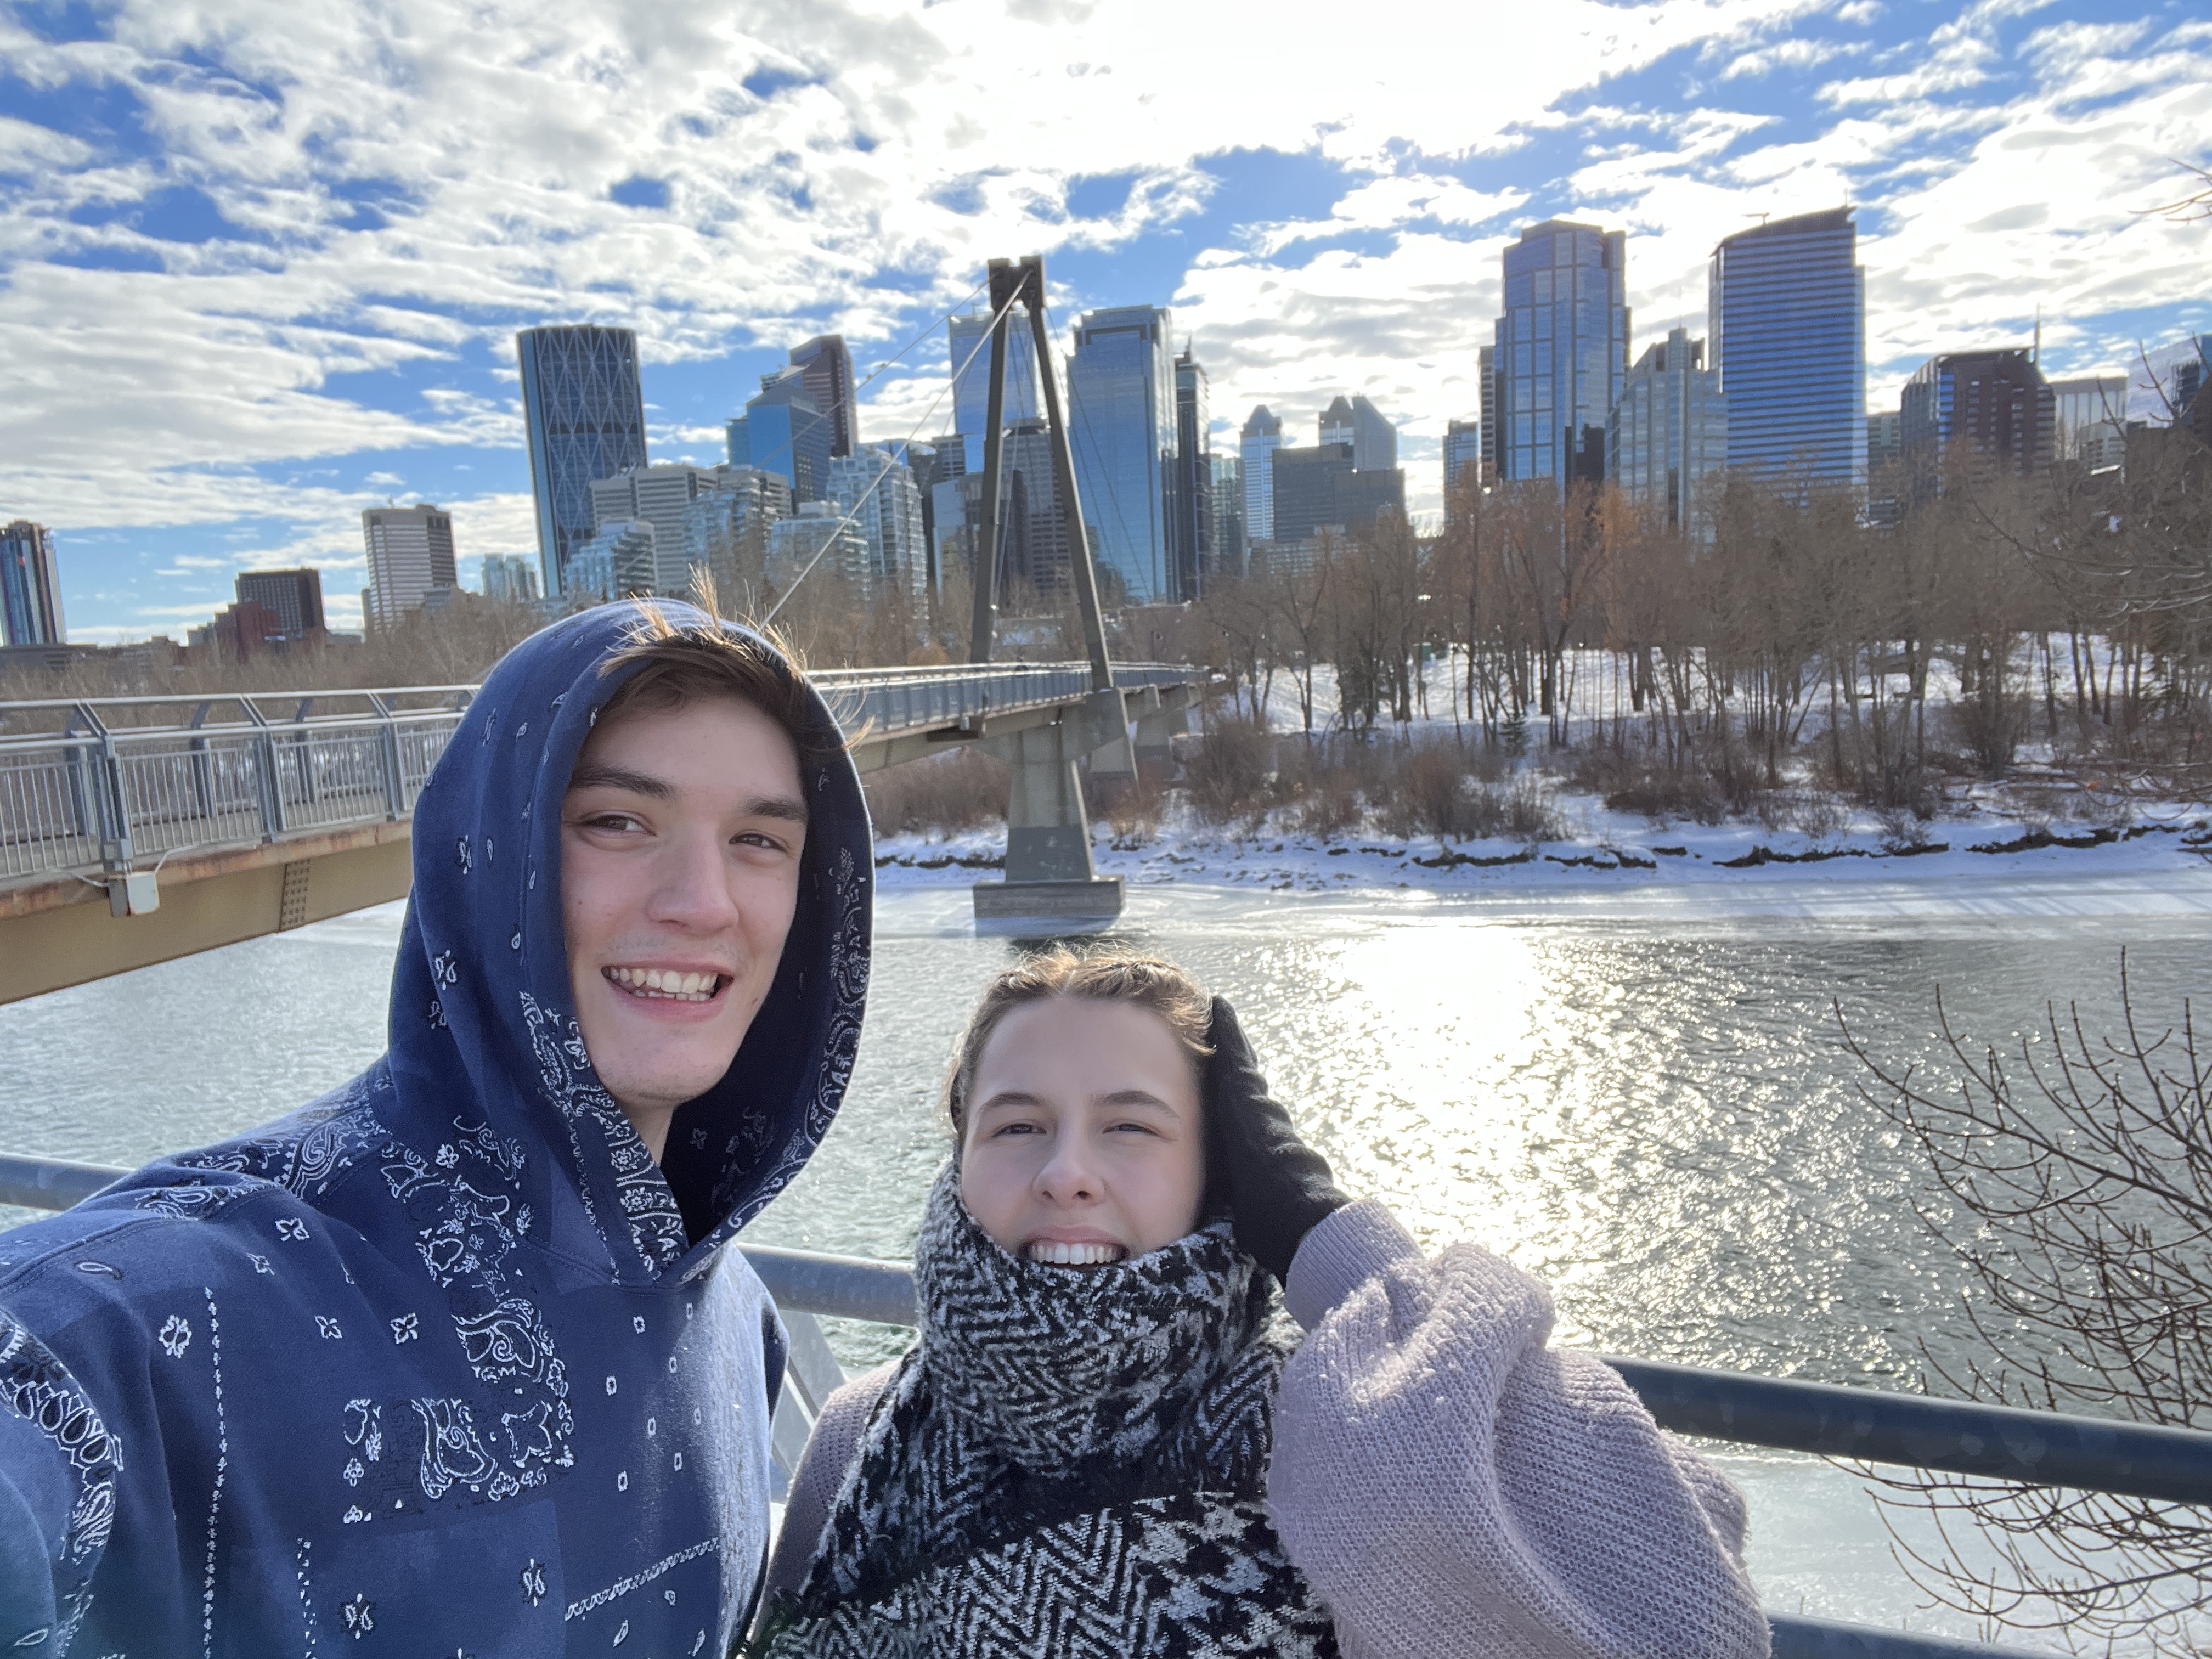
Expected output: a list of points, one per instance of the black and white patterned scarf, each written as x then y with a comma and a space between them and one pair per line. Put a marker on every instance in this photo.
1071, 1461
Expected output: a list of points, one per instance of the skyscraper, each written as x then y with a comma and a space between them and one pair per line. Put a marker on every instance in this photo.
1462, 450
1262, 437
584, 414
970, 340
658, 495
2167, 381
293, 599
1190, 483
1561, 350
1786, 303
1491, 398
616, 562
30, 585
784, 429
1666, 441
726, 530
818, 538
1997, 402
410, 556
1319, 488
879, 492
828, 369
1231, 544
1356, 422
1121, 424
2090, 412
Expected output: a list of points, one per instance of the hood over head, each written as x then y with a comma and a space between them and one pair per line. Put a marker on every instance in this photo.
484, 1025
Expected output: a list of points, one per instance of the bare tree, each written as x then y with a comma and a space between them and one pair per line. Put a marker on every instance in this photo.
2076, 1186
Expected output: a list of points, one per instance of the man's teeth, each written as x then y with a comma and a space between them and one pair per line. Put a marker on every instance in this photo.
1074, 1255
666, 983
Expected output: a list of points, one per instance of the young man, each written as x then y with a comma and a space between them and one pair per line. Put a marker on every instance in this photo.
454, 1360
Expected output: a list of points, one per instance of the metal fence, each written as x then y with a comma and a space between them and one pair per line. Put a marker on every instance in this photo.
1995, 1442
96, 784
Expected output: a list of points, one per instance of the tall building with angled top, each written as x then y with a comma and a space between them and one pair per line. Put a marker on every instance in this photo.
1785, 304
826, 368
1356, 422
1256, 446
1666, 441
30, 585
1560, 351
584, 411
1121, 425
784, 430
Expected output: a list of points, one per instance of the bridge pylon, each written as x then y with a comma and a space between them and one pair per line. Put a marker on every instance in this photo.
1051, 884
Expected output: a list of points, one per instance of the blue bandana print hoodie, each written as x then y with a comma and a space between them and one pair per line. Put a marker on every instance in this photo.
443, 1363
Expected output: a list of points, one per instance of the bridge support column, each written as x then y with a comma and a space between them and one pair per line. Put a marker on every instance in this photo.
1051, 885
1158, 724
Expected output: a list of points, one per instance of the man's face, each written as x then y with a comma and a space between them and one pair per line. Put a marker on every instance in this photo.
680, 839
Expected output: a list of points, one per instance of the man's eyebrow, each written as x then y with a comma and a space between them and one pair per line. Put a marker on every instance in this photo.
595, 774
788, 808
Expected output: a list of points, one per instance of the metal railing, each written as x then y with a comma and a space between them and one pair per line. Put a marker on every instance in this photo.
99, 783
1995, 1442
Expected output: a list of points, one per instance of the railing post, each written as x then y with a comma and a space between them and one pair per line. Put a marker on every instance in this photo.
272, 785
388, 751
115, 853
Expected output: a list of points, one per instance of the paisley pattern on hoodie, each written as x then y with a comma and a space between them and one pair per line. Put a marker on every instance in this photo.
437, 1362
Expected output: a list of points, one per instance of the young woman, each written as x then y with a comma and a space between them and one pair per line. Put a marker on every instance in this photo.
1110, 1440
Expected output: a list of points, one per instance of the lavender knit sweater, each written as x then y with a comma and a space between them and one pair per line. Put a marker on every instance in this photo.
1451, 1486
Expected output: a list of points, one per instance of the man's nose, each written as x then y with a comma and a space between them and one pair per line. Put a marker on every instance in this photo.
691, 886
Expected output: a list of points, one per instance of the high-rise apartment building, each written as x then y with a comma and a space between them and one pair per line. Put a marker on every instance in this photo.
970, 342
1490, 398
826, 368
1256, 446
1190, 483
583, 410
411, 557
1561, 349
1786, 305
784, 430
818, 543
1356, 422
881, 495
293, 599
660, 496
509, 579
726, 531
2089, 416
1121, 424
1666, 441
1033, 542
1996, 402
31, 586
1231, 547
616, 562
1462, 450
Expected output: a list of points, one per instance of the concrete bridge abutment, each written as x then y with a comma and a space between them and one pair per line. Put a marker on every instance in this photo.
1051, 884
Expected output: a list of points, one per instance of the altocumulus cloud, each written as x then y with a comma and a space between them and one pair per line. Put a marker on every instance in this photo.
255, 252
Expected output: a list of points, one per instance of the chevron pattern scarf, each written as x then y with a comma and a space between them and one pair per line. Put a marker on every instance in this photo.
1070, 1461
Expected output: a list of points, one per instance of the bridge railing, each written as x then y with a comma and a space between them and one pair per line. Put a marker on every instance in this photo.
96, 783
2052, 1448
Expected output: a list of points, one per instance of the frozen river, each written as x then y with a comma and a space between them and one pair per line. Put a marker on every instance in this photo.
1641, 1095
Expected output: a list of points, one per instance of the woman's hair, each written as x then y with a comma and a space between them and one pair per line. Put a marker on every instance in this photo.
1099, 976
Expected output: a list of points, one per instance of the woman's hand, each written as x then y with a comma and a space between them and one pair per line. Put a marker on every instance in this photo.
1278, 1187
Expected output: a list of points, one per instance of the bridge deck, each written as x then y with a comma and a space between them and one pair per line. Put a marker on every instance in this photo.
204, 820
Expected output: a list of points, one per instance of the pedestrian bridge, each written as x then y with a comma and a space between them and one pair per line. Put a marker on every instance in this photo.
137, 830
1959, 1437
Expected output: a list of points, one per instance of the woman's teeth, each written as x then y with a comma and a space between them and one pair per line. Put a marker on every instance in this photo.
665, 983
1074, 1255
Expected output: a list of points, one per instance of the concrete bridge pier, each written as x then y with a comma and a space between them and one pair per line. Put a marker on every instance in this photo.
1162, 716
1051, 885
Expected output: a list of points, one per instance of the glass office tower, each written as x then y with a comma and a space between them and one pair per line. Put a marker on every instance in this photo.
1666, 442
828, 368
584, 412
1561, 349
1190, 483
1462, 450
1262, 437
784, 430
1121, 423
30, 585
971, 385
1995, 401
1786, 303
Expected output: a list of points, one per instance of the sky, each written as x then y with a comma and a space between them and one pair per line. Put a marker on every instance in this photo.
262, 261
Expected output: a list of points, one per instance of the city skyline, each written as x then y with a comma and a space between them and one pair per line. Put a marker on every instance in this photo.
249, 337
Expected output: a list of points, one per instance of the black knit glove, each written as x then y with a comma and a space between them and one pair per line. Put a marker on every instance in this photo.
1275, 1188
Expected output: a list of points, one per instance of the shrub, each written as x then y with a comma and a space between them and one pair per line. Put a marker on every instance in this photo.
1227, 769
963, 790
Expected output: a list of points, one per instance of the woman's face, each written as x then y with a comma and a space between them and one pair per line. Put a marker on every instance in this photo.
1082, 1141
